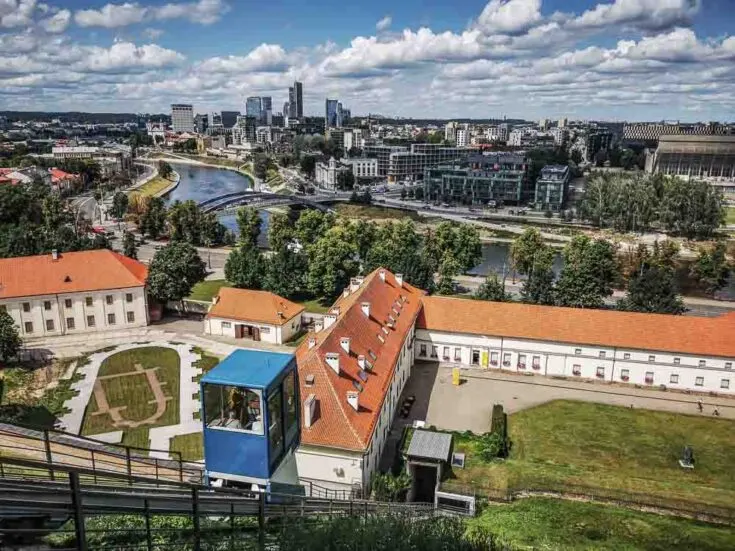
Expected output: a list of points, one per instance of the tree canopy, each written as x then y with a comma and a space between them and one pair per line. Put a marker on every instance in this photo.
10, 341
711, 270
589, 273
174, 270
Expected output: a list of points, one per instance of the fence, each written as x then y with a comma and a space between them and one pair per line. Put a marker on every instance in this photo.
679, 507
146, 517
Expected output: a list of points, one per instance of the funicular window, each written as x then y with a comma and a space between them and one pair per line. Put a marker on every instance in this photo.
233, 408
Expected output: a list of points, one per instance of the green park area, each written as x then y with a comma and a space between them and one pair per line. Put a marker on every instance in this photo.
190, 446
730, 215
152, 187
612, 451
374, 212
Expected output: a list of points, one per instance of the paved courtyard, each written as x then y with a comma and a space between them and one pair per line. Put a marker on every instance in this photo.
468, 406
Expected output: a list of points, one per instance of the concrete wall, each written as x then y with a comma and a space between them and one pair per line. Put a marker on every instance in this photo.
641, 367
275, 334
56, 320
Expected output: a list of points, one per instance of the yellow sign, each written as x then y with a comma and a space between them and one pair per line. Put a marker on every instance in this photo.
484, 359
455, 376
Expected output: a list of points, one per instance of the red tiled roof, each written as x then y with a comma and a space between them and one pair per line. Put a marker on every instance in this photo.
58, 174
249, 305
605, 328
73, 272
337, 424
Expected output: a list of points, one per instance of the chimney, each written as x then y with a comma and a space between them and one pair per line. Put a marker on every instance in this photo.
344, 342
215, 299
333, 361
399, 280
312, 342
346, 292
354, 284
329, 319
382, 274
318, 325
55, 254
309, 410
365, 308
353, 398
361, 361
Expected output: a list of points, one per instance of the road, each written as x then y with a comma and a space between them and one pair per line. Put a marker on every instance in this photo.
85, 205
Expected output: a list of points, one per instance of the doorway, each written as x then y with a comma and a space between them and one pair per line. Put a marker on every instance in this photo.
424, 483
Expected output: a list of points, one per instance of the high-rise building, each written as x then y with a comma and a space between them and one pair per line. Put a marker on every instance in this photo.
295, 101
330, 113
201, 123
252, 107
215, 120
229, 118
182, 117
562, 122
450, 132
266, 110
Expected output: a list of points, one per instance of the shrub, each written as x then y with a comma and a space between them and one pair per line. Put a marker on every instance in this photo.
490, 446
387, 487
499, 429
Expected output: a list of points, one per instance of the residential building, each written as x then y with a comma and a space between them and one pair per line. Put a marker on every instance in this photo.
562, 122
411, 164
543, 124
482, 178
70, 293
112, 158
596, 141
182, 117
201, 123
706, 157
560, 136
463, 137
551, 187
244, 130
450, 132
255, 315
63, 180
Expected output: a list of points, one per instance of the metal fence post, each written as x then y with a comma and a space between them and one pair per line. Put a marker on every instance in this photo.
232, 525
49, 457
148, 537
76, 503
261, 521
94, 468
195, 514
130, 467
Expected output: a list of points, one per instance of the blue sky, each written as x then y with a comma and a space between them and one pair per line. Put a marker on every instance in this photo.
601, 59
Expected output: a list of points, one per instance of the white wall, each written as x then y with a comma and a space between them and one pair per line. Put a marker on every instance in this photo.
329, 467
79, 311
588, 362
275, 334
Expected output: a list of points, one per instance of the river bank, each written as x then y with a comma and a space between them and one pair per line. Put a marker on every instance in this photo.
210, 163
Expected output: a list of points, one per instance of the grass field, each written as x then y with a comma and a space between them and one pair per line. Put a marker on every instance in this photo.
730, 215
156, 185
565, 443
205, 290
541, 523
349, 210
133, 391
191, 446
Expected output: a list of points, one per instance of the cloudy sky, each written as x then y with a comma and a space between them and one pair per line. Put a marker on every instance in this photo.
603, 59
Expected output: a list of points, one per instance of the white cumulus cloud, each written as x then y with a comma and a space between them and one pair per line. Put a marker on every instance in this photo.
111, 16
57, 23
16, 13
509, 16
384, 23
264, 58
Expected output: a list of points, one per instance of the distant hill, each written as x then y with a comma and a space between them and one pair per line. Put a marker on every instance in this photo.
79, 117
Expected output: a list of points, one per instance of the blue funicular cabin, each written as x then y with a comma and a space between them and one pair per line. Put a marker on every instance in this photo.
251, 419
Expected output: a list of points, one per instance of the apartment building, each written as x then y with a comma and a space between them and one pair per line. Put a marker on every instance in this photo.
411, 164
70, 293
551, 187
182, 117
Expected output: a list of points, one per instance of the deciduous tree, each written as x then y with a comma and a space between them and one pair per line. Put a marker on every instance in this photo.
130, 249
119, 205
10, 341
589, 273
153, 220
711, 270
174, 270
492, 289
248, 223
245, 267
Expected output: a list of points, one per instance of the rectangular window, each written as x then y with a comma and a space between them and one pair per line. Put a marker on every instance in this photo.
576, 370
728, 365
67, 303
445, 354
29, 327
49, 325
578, 351
602, 354
226, 325
90, 321
128, 297
600, 372
702, 363
422, 350
651, 358
434, 351
506, 359
26, 306
457, 354
234, 408
674, 379
521, 361
626, 356
88, 301
725, 383
649, 377
493, 358
677, 361
110, 319
536, 362
108, 299
265, 330
699, 381
625, 374
475, 357
47, 305
131, 317
70, 323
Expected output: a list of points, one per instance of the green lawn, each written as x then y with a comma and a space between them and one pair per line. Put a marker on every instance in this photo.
315, 305
151, 188
565, 443
541, 523
205, 290
730, 215
350, 210
133, 391
191, 446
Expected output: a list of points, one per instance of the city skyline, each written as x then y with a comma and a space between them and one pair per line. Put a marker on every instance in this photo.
621, 60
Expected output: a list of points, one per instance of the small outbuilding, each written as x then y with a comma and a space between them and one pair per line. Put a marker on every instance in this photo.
255, 315
428, 454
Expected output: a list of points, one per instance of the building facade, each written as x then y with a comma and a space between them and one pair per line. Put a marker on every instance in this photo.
296, 101
412, 163
111, 159
73, 293
551, 187
182, 117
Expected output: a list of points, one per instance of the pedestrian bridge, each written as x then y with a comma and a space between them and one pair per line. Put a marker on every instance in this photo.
232, 201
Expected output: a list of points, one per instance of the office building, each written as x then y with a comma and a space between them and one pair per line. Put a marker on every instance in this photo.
382, 153
649, 133
215, 120
410, 165
296, 101
266, 110
478, 180
201, 123
252, 107
229, 118
362, 168
332, 114
182, 117
596, 141
551, 187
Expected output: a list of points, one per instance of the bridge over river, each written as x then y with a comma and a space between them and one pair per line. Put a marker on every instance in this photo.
231, 201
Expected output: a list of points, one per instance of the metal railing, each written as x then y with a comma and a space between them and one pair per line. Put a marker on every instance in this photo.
82, 514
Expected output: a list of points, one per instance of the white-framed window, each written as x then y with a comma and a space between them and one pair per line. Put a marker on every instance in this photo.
422, 350
226, 325
725, 383
521, 361
70, 323
536, 362
265, 330
652, 358
626, 356
26, 306
88, 301
625, 374
434, 351
578, 351
457, 354
699, 381
602, 354
110, 319
445, 353
576, 370
493, 358
108, 299
67, 303
677, 361
702, 363
90, 321
128, 297
49, 325
600, 372
131, 317
47, 305
506, 359
674, 379
29, 327
649, 377
728, 365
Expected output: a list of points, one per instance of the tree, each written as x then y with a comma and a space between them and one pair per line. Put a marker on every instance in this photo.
130, 249
245, 267
345, 180
461, 241
332, 262
492, 289
538, 288
174, 270
248, 223
10, 341
164, 169
575, 156
590, 270
653, 290
119, 205
308, 165
280, 231
312, 225
153, 220
285, 273
711, 270
261, 163
693, 209
447, 270
530, 249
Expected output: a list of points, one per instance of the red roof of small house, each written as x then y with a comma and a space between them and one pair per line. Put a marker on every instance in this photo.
250, 305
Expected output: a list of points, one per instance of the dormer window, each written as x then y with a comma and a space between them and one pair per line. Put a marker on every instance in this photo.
372, 355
